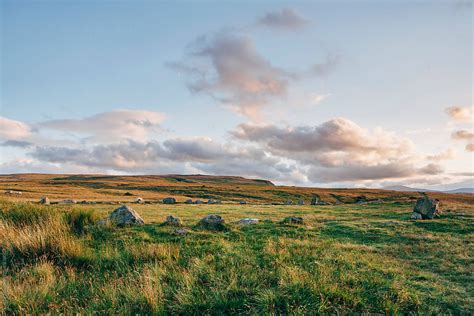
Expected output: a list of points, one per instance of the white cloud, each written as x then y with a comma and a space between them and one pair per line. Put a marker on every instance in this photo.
285, 19
111, 126
13, 130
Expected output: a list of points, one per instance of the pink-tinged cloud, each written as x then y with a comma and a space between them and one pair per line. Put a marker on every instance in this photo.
285, 19
13, 130
461, 114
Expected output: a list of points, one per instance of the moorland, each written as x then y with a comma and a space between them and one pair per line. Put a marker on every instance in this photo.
358, 252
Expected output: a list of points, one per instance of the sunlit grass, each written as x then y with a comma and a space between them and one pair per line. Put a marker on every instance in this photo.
343, 259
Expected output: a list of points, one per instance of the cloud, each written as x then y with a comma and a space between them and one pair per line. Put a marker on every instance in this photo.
182, 155
461, 114
111, 126
445, 155
16, 143
241, 78
285, 19
470, 147
463, 135
13, 130
339, 150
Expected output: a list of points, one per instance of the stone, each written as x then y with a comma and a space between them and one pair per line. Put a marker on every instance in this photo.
247, 221
188, 201
415, 216
139, 200
128, 194
180, 232
213, 222
198, 202
427, 208
169, 200
213, 201
173, 221
11, 192
293, 220
314, 200
301, 202
289, 202
243, 202
124, 216
44, 200
67, 202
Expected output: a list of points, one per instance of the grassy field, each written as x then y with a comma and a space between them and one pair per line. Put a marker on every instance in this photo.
345, 259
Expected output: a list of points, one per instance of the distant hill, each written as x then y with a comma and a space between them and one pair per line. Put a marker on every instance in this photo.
461, 190
403, 188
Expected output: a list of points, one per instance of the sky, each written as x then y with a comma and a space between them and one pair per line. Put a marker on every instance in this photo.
310, 93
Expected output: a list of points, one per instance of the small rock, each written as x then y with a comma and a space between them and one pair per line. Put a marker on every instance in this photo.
188, 201
44, 200
180, 232
124, 216
67, 202
198, 202
293, 220
139, 200
83, 202
169, 200
243, 202
213, 222
301, 202
247, 221
289, 202
173, 221
128, 194
212, 201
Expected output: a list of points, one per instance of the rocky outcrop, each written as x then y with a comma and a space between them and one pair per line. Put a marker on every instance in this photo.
169, 200
297, 220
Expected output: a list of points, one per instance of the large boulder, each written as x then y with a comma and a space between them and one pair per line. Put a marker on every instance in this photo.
427, 208
212, 222
173, 221
293, 220
169, 200
44, 200
124, 216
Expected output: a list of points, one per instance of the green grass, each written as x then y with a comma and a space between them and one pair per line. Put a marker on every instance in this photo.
344, 259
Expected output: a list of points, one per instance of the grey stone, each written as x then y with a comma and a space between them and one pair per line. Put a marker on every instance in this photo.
198, 202
44, 200
293, 220
139, 200
247, 221
180, 232
169, 200
243, 202
124, 216
314, 200
301, 202
427, 208
173, 221
189, 201
67, 202
214, 222
289, 202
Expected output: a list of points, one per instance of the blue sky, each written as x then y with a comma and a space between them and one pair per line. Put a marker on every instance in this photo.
390, 68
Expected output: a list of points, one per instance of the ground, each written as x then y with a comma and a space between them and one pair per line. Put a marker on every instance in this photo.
344, 259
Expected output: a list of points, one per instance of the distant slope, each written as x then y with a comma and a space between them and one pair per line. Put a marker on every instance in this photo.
461, 190
403, 188
229, 189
